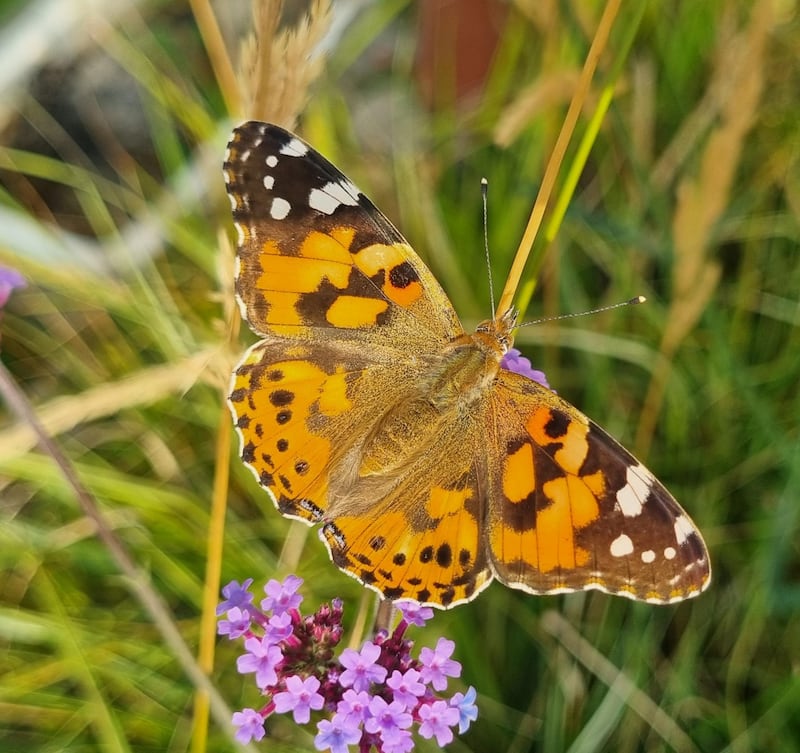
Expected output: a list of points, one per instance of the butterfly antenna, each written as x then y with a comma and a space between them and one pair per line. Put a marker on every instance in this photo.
484, 199
632, 302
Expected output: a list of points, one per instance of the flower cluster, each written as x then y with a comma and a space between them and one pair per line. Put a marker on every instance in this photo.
372, 697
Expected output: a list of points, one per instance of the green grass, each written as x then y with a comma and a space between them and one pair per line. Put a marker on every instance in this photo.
689, 196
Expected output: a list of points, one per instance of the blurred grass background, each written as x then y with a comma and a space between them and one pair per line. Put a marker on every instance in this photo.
114, 120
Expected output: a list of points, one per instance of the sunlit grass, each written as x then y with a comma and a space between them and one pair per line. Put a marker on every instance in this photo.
124, 339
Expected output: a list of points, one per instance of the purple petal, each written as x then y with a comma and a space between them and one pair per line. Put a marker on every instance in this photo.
514, 361
467, 710
236, 595
336, 735
250, 725
414, 613
10, 280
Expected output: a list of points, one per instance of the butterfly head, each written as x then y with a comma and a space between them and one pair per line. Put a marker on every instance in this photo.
501, 328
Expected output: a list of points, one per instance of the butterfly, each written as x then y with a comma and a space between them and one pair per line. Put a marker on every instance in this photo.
366, 408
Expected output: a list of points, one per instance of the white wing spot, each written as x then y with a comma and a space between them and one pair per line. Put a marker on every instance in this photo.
669, 553
239, 239
244, 156
332, 195
295, 148
683, 528
621, 546
279, 208
648, 556
269, 182
632, 496
271, 161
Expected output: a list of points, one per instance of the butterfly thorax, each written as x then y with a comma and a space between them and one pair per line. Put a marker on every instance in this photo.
464, 372
450, 384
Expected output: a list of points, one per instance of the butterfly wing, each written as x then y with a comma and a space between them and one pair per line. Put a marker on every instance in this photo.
315, 254
571, 509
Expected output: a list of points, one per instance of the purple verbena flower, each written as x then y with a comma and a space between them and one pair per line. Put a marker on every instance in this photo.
387, 719
279, 627
336, 735
514, 361
467, 710
281, 597
237, 624
361, 668
10, 279
437, 718
406, 687
262, 657
249, 724
437, 665
299, 697
414, 613
400, 742
236, 596
354, 706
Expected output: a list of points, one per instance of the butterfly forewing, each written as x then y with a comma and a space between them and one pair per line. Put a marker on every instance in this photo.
314, 252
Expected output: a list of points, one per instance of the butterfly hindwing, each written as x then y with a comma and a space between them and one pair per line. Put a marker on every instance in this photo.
424, 543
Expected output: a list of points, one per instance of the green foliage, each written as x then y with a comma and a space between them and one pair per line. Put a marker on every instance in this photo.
112, 203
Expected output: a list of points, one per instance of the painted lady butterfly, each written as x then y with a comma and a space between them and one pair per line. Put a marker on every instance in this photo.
366, 408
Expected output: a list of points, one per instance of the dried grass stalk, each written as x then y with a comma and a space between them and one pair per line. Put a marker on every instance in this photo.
137, 390
279, 66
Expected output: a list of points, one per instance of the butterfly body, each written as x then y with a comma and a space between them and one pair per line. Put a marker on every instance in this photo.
366, 408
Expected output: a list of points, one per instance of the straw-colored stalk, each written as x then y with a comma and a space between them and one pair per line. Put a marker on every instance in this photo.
279, 66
